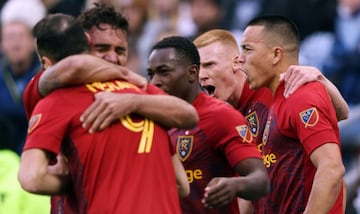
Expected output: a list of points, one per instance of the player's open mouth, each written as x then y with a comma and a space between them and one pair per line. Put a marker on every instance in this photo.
210, 89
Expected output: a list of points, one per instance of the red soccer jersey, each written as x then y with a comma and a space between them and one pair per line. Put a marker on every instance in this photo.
296, 126
31, 97
254, 105
31, 94
151, 89
126, 168
211, 149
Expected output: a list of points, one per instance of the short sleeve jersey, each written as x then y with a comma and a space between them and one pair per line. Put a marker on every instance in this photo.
31, 97
212, 149
295, 127
126, 167
254, 105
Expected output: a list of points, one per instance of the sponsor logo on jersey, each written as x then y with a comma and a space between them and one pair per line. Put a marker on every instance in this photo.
269, 159
244, 133
184, 146
110, 86
253, 122
34, 122
309, 117
196, 174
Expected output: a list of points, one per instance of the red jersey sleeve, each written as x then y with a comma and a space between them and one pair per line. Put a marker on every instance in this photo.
313, 116
233, 135
48, 124
237, 139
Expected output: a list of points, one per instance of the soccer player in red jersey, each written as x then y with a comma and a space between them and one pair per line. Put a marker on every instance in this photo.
108, 31
219, 69
300, 144
219, 147
115, 100
221, 75
108, 169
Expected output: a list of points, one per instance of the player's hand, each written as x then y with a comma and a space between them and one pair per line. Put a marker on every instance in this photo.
297, 75
106, 108
138, 80
219, 192
60, 167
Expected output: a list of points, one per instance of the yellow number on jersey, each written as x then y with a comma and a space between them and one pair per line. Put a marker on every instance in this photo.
147, 128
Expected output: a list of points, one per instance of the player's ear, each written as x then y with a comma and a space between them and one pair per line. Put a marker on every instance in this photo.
277, 54
46, 62
236, 64
88, 37
193, 73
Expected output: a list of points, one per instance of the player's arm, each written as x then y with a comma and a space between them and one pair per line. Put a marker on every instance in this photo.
253, 181
84, 68
34, 176
328, 180
167, 110
252, 184
340, 105
245, 206
181, 178
296, 76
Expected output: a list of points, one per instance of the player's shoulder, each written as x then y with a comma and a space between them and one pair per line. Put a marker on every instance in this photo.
309, 90
33, 83
152, 89
62, 95
221, 110
310, 87
213, 103
310, 94
37, 76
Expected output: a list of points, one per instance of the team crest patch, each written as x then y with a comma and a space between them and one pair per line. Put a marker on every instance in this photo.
244, 133
184, 146
253, 123
33, 122
309, 117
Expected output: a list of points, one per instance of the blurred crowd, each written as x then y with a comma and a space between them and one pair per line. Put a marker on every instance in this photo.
330, 38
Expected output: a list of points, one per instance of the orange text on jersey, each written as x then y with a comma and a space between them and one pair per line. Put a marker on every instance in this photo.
110, 86
195, 174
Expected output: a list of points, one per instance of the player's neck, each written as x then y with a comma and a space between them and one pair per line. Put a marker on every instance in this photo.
193, 94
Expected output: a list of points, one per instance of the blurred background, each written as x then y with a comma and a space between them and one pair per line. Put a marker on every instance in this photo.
330, 41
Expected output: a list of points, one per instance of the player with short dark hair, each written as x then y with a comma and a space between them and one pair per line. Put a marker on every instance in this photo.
52, 44
301, 135
111, 163
108, 40
221, 75
219, 147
